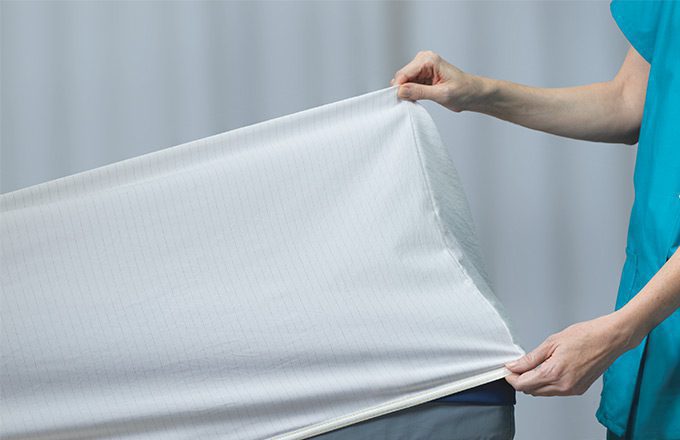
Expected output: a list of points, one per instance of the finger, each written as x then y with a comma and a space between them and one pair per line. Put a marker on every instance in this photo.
408, 72
563, 385
531, 360
415, 92
548, 391
413, 69
548, 374
529, 382
512, 379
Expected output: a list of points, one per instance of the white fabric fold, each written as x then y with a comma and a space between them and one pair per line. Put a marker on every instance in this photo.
280, 280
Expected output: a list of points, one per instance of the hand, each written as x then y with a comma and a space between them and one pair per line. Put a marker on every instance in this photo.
429, 76
568, 362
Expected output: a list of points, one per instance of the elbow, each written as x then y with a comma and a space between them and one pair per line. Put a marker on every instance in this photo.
632, 136
629, 108
629, 89
625, 127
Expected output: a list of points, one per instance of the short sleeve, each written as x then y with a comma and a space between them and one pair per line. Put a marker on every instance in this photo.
638, 20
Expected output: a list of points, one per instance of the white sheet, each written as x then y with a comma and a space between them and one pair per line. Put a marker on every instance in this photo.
280, 280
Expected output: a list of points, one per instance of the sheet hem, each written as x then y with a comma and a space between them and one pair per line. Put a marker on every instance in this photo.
395, 405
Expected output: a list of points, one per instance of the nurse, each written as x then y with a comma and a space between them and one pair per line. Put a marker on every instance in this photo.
637, 347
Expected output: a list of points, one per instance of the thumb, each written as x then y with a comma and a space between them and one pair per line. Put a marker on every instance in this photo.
415, 92
530, 360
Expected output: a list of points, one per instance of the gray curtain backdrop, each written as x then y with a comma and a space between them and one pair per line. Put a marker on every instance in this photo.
85, 84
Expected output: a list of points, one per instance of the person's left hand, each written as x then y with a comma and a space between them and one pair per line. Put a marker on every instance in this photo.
568, 362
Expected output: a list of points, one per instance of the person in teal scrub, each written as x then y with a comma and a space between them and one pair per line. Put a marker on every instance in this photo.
639, 343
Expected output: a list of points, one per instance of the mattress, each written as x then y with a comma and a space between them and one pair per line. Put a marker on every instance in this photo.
280, 280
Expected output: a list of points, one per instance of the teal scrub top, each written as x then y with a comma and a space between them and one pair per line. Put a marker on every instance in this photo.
641, 394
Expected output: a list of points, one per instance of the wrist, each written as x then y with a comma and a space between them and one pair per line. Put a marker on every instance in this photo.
629, 328
478, 93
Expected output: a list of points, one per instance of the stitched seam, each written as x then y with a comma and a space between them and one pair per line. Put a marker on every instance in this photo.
441, 227
608, 422
441, 391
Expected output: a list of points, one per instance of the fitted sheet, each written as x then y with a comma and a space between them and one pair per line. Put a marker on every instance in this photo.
276, 281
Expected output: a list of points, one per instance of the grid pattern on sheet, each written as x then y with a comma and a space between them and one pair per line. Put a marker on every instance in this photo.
246, 285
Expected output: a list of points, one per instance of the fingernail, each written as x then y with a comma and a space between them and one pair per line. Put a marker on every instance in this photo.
511, 365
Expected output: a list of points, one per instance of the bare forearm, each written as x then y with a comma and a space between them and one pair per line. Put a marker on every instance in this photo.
655, 302
572, 359
607, 112
595, 112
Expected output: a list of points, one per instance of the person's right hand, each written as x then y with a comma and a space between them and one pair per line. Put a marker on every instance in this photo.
429, 76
